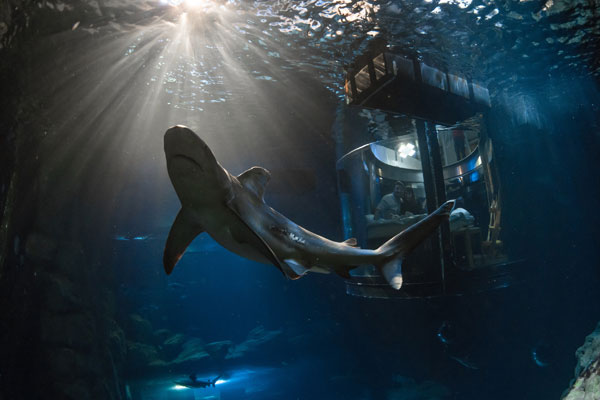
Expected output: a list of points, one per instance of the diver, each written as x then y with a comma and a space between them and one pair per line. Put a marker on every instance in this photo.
194, 382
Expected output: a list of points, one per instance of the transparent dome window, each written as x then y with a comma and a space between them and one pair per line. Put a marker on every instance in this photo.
371, 176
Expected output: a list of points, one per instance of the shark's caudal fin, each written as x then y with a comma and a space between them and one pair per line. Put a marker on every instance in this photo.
183, 231
403, 243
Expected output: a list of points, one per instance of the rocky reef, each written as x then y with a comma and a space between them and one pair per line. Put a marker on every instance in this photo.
586, 385
406, 388
161, 351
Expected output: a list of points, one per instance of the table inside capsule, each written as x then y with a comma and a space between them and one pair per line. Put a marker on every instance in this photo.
466, 238
386, 228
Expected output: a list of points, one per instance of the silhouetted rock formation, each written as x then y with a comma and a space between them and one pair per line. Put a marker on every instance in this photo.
160, 351
586, 385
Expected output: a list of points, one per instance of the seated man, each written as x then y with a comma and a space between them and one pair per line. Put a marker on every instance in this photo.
390, 205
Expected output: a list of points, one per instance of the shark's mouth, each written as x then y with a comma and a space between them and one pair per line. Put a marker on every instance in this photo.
188, 158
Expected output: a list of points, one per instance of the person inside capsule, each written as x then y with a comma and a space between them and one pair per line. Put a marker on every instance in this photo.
391, 205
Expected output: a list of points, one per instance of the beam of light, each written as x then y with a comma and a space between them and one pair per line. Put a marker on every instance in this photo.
113, 89
195, 3
179, 387
220, 381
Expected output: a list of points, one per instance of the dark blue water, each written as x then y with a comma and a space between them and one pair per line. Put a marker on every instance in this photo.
262, 84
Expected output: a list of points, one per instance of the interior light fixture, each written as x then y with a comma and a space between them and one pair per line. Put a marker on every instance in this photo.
406, 149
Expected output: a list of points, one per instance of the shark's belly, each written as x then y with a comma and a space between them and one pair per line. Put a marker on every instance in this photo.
234, 235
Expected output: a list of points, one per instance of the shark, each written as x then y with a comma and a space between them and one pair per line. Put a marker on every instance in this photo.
194, 383
232, 210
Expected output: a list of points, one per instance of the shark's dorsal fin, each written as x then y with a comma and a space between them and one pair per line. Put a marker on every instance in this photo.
183, 231
255, 179
351, 242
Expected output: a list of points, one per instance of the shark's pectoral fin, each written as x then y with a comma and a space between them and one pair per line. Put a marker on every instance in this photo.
183, 231
255, 179
294, 269
253, 239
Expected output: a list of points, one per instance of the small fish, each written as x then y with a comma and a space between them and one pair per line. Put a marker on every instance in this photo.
141, 237
175, 286
464, 362
131, 237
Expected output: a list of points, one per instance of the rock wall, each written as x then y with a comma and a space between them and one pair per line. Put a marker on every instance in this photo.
58, 335
586, 385
19, 301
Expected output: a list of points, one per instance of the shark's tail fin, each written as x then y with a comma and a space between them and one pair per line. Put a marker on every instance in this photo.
403, 243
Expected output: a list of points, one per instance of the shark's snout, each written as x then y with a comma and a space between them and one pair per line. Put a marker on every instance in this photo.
182, 141
178, 130
182, 136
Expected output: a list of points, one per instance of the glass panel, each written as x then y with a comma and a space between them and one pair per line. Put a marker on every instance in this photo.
383, 194
457, 143
481, 94
403, 67
362, 79
433, 77
458, 85
379, 64
475, 221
